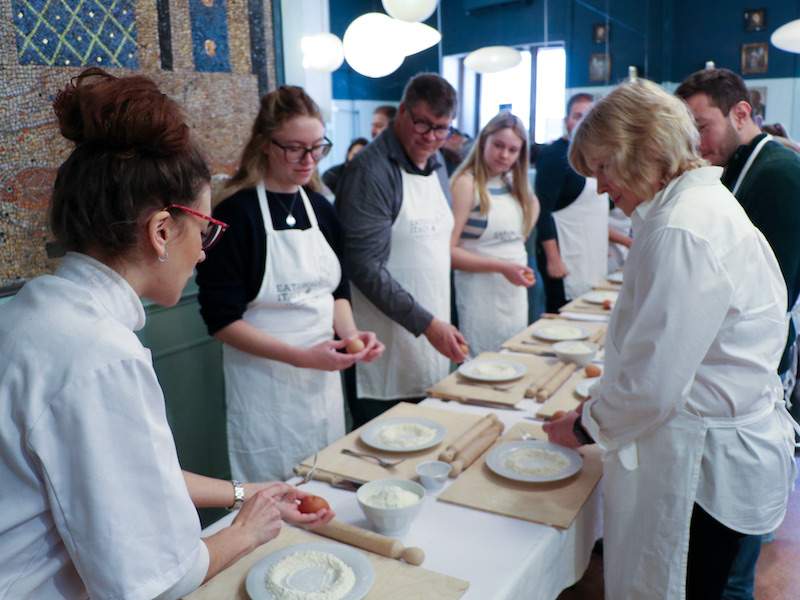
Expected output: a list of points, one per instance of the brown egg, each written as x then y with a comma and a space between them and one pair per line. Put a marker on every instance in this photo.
559, 414
528, 277
355, 346
607, 304
312, 504
464, 349
593, 371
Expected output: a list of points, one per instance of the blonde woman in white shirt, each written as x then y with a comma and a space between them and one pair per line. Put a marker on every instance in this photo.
494, 211
689, 411
94, 502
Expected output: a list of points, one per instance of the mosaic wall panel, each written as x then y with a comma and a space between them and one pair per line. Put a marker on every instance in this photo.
220, 102
209, 35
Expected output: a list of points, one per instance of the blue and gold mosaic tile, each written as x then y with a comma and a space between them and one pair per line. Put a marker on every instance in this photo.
209, 19
76, 33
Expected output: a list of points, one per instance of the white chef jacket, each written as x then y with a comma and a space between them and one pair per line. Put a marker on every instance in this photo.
700, 324
93, 501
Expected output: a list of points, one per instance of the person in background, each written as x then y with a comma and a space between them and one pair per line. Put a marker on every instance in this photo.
573, 228
698, 443
381, 117
536, 297
765, 178
453, 151
619, 237
778, 133
275, 295
95, 503
396, 220
494, 211
331, 177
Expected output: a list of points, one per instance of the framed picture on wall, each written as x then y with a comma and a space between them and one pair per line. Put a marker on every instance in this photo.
755, 19
600, 33
755, 58
758, 100
599, 67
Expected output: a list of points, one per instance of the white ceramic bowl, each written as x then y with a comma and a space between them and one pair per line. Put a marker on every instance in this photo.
433, 474
390, 521
580, 353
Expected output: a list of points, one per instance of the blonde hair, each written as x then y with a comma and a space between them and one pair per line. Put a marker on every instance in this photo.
277, 107
646, 136
475, 165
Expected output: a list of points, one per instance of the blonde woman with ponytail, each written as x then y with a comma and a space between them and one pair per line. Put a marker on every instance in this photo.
276, 296
494, 210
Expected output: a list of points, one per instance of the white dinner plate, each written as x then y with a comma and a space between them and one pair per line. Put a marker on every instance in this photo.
615, 277
600, 296
308, 580
492, 369
497, 457
371, 435
584, 386
559, 333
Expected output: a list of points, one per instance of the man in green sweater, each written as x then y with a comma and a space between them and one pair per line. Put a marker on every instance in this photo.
764, 176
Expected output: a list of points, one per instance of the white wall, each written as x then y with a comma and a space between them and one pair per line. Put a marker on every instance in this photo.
350, 119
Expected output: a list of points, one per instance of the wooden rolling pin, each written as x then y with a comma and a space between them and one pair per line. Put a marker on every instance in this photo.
539, 382
470, 454
466, 438
369, 540
556, 382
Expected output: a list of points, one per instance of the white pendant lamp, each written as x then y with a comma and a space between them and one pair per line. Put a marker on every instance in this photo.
370, 45
410, 10
415, 37
492, 59
322, 52
787, 37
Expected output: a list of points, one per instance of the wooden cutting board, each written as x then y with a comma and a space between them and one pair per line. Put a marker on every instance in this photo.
526, 342
458, 388
556, 503
394, 579
333, 461
581, 306
564, 399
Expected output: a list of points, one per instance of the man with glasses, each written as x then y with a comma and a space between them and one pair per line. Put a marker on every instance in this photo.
393, 204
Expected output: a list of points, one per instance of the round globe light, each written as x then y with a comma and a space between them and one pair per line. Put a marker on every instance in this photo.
492, 59
787, 36
371, 46
415, 37
322, 52
410, 10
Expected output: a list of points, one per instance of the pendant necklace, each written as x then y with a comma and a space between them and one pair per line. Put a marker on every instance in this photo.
290, 220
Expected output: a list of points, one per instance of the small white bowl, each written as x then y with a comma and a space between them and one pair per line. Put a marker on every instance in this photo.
580, 353
433, 474
390, 521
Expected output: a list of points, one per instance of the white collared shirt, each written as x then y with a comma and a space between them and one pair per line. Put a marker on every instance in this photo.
699, 325
93, 500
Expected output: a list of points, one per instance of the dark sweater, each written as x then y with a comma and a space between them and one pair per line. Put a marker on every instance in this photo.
770, 195
231, 275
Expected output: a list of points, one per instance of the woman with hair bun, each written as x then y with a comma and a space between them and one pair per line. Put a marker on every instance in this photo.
94, 502
275, 295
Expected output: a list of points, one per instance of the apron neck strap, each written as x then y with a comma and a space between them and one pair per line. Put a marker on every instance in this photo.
262, 200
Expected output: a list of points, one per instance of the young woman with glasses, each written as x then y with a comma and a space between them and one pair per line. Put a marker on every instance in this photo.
95, 503
275, 295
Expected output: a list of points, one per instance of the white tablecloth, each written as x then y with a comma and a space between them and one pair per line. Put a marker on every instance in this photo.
502, 558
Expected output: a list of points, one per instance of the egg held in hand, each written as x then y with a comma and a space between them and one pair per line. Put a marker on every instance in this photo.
312, 504
354, 346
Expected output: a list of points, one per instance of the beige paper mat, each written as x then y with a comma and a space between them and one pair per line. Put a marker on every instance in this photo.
524, 341
333, 461
564, 399
556, 503
394, 579
456, 387
582, 306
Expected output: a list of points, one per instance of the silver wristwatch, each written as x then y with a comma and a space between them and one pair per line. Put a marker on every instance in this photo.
238, 495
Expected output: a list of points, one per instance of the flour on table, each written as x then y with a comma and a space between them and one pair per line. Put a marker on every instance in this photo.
332, 578
535, 462
406, 435
490, 369
558, 332
391, 496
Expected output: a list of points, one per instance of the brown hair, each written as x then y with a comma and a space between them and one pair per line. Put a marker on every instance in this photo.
277, 107
724, 88
434, 90
387, 110
133, 154
520, 188
645, 136
579, 97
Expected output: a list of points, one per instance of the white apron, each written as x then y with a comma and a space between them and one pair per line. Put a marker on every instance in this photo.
582, 229
617, 253
278, 414
419, 260
490, 308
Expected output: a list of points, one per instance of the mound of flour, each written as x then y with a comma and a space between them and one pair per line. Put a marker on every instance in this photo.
406, 435
535, 462
335, 583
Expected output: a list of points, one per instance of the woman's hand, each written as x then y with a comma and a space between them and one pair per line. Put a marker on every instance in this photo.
289, 509
373, 348
447, 340
560, 432
259, 518
324, 356
521, 275
556, 268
